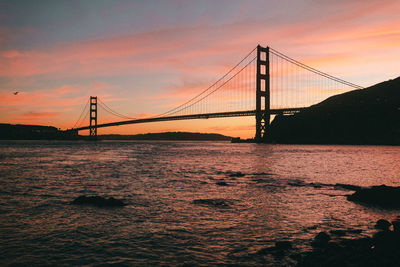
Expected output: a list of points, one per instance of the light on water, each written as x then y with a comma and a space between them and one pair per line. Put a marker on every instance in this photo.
187, 202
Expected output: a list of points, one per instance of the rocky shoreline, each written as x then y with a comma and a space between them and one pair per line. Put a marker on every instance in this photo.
382, 249
335, 248
350, 247
382, 196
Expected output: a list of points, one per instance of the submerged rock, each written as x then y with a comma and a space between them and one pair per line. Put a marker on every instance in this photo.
338, 232
279, 248
382, 224
385, 240
348, 187
321, 239
236, 174
297, 183
283, 245
216, 202
354, 231
396, 226
384, 196
98, 201
261, 173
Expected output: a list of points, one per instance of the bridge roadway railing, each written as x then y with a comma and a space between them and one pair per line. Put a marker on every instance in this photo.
194, 116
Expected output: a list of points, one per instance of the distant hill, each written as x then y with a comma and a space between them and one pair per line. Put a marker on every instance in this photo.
28, 132
33, 132
168, 136
365, 116
37, 132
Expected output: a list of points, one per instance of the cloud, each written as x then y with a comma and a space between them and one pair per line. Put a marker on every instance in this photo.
35, 115
183, 50
63, 96
11, 54
52, 97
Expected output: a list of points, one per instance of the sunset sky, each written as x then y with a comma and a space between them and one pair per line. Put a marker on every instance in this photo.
144, 57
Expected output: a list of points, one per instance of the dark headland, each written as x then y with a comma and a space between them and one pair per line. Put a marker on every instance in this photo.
365, 116
181, 136
33, 132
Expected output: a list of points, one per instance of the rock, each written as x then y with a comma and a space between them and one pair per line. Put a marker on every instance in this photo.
283, 245
316, 185
216, 202
338, 232
297, 183
322, 236
222, 184
385, 241
98, 201
296, 256
267, 250
396, 226
280, 248
236, 174
348, 187
321, 239
354, 231
262, 173
382, 225
384, 196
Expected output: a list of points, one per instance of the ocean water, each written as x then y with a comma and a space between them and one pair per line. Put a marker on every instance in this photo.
179, 211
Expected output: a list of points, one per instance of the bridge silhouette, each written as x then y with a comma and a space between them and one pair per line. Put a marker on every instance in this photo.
265, 82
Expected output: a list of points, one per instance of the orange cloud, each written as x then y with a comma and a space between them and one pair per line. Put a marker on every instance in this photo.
40, 98
66, 95
34, 116
112, 55
10, 54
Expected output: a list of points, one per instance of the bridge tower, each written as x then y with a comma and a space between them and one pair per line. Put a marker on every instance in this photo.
93, 117
263, 109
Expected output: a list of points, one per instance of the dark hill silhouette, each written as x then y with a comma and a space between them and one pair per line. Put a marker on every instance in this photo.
169, 136
28, 132
38, 132
365, 116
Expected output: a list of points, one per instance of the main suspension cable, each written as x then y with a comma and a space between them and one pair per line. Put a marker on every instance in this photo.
215, 88
172, 111
83, 111
326, 75
113, 112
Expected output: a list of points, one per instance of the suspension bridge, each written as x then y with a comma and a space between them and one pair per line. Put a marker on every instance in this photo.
265, 82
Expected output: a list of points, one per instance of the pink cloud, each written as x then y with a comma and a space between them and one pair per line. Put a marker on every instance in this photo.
11, 54
66, 95
35, 116
53, 97
143, 52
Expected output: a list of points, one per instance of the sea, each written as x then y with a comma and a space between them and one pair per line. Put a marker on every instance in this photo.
188, 203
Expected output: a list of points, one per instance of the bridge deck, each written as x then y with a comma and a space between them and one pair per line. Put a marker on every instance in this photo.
194, 116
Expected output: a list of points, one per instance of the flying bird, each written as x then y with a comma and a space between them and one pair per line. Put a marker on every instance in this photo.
16, 93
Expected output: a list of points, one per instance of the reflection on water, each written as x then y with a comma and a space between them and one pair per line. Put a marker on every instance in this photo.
188, 202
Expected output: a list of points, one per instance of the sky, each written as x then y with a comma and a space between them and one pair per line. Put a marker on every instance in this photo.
143, 57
